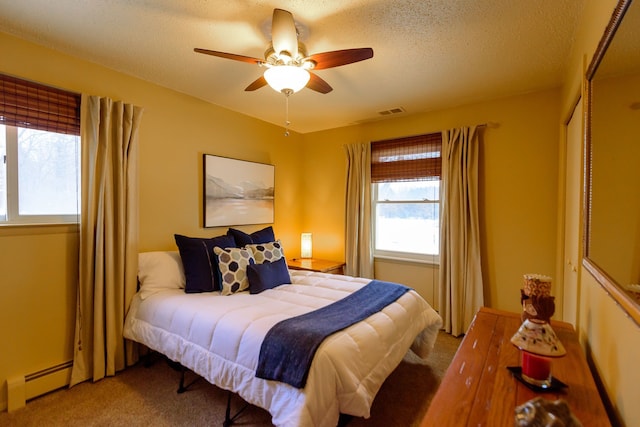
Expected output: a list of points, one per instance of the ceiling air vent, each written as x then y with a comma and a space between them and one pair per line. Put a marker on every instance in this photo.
391, 111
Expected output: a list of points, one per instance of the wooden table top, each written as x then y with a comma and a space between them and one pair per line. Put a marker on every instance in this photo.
314, 264
479, 390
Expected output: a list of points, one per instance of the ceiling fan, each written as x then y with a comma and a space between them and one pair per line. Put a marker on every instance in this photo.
288, 66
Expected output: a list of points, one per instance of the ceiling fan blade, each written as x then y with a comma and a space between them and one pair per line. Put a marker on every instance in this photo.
337, 58
230, 56
319, 85
284, 35
257, 84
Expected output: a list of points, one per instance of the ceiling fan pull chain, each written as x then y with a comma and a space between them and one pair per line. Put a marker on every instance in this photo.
286, 121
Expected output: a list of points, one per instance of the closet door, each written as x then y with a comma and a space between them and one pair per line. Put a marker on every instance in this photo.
572, 217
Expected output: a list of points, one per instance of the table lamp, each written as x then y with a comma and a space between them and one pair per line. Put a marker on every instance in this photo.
305, 245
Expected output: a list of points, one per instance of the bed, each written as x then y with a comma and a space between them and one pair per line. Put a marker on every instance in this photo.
219, 338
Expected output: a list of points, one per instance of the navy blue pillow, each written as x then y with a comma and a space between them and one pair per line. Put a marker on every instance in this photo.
200, 264
267, 275
243, 239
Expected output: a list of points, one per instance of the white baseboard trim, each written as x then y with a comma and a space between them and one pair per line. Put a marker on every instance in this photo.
22, 388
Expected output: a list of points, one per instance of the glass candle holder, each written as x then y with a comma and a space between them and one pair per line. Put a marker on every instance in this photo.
536, 369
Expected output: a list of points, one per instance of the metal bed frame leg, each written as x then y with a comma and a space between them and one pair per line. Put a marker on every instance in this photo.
344, 420
182, 388
148, 359
228, 419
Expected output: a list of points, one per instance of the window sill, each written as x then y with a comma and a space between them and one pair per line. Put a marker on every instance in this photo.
14, 229
402, 260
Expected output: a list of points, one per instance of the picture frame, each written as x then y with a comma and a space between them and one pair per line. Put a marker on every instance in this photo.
237, 192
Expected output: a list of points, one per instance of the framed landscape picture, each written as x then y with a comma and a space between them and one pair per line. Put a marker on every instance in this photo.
237, 192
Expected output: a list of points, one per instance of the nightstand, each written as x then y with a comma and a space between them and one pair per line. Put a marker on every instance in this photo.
315, 264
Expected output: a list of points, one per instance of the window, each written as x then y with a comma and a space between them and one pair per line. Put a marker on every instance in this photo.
406, 197
39, 153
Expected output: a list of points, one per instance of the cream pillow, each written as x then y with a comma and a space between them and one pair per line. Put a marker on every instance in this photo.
158, 271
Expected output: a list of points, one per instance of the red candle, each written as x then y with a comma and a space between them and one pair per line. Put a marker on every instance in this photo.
536, 367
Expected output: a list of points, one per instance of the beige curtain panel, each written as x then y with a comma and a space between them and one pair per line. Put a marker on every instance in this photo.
460, 287
358, 250
108, 237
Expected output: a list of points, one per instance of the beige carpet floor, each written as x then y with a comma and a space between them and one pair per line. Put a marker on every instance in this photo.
146, 396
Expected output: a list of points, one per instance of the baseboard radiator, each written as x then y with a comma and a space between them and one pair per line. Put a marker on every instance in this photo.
22, 388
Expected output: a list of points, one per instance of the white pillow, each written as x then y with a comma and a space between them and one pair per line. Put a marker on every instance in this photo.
160, 270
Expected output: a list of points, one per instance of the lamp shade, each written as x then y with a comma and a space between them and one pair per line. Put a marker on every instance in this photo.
538, 338
283, 78
305, 245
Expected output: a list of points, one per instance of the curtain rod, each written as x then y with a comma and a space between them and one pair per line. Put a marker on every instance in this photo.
488, 125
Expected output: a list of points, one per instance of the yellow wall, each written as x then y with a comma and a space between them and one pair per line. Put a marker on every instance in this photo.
421, 277
38, 268
518, 184
38, 265
612, 342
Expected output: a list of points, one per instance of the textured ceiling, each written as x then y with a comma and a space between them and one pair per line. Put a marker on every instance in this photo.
428, 54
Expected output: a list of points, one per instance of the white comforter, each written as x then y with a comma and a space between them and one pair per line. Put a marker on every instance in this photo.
219, 338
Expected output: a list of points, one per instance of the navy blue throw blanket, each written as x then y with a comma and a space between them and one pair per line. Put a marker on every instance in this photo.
289, 346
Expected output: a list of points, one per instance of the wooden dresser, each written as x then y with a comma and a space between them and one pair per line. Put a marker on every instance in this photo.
479, 390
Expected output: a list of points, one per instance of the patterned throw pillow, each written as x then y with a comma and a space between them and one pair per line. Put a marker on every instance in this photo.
268, 252
233, 264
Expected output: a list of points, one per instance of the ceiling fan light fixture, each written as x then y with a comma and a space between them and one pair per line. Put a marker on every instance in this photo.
284, 57
286, 78
309, 64
287, 61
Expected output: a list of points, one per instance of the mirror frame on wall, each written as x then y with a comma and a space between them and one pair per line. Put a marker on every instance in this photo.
624, 300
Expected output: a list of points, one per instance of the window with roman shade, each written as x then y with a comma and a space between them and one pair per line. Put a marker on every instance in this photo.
40, 152
32, 105
405, 176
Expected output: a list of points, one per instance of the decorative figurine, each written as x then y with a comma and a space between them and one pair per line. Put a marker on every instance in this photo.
539, 412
